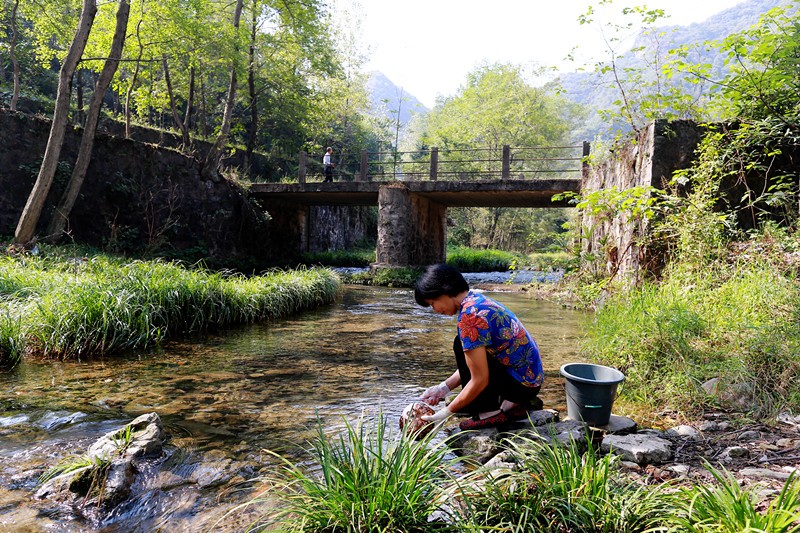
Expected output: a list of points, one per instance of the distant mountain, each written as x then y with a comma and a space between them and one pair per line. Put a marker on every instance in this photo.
386, 99
588, 89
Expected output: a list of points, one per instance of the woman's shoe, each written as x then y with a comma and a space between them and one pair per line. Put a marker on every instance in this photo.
517, 412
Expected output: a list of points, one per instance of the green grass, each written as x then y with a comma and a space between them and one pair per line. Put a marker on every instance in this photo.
361, 257
385, 277
737, 322
489, 260
367, 479
727, 507
553, 261
557, 487
100, 305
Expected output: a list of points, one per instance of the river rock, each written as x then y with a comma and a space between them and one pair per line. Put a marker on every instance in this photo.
117, 450
478, 444
411, 422
749, 436
735, 452
539, 417
764, 473
684, 431
641, 449
52, 421
619, 425
708, 426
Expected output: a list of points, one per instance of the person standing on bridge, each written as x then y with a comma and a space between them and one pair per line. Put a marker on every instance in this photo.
497, 360
327, 165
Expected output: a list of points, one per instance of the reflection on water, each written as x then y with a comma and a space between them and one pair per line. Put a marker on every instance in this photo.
228, 396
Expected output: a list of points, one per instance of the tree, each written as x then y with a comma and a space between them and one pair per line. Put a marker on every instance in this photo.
495, 107
214, 155
644, 85
26, 228
12, 51
61, 214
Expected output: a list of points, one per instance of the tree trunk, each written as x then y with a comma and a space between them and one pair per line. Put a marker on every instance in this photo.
251, 85
175, 116
61, 214
203, 122
129, 92
13, 54
215, 153
26, 228
79, 97
187, 119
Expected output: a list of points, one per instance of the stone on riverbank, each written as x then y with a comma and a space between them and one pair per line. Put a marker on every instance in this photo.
638, 448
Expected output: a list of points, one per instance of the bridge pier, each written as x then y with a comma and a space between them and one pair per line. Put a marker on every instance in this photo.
411, 228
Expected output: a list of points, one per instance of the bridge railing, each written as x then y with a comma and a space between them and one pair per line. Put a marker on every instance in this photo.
503, 162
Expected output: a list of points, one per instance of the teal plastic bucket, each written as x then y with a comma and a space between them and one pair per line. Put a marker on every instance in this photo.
591, 391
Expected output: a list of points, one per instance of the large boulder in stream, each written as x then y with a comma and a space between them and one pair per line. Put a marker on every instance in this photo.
105, 474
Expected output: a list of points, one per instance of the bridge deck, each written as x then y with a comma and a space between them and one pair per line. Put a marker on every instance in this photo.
505, 193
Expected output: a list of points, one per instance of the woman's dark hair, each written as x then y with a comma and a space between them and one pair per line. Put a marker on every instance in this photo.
438, 280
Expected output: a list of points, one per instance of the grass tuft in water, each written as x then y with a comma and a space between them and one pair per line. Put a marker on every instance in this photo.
367, 479
68, 308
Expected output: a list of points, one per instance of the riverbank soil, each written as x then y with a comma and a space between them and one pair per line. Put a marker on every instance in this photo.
760, 453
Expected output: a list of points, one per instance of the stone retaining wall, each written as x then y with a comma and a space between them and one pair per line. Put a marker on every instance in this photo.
650, 160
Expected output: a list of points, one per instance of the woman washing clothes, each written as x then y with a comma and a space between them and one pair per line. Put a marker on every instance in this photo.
498, 363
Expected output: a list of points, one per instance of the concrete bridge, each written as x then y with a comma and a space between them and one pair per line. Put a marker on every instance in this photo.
413, 192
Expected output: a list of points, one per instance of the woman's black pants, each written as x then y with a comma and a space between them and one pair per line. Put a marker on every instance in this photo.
502, 386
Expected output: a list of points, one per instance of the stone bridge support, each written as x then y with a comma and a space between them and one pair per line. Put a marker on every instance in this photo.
411, 228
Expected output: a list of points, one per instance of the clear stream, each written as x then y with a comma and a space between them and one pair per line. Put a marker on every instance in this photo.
226, 397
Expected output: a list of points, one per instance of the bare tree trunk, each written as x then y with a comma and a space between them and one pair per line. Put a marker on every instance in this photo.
26, 228
215, 153
13, 54
175, 116
187, 119
129, 92
203, 122
78, 118
251, 85
67, 202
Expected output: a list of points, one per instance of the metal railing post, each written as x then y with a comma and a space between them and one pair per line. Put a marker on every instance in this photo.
434, 163
363, 173
505, 173
301, 168
585, 160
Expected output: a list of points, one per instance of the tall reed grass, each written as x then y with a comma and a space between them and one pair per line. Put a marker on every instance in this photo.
102, 305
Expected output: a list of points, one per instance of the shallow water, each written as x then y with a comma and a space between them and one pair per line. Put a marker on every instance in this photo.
226, 397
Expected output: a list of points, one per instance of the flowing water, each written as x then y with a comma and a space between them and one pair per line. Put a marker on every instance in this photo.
227, 397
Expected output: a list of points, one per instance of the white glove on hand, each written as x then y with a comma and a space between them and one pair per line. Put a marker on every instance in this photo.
435, 394
442, 414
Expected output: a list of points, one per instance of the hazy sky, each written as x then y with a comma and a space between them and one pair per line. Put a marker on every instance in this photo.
428, 46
